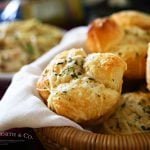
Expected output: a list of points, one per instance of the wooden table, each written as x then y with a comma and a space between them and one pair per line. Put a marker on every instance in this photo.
20, 138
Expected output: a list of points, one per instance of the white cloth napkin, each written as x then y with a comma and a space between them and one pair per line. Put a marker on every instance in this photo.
21, 105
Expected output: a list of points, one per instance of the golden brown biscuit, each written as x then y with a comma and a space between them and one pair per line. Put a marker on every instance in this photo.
132, 18
131, 46
133, 50
132, 116
106, 69
83, 88
102, 35
83, 100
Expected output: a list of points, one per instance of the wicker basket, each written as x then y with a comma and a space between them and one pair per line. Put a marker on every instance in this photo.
69, 138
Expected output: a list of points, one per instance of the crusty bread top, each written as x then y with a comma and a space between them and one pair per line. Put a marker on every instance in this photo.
102, 35
129, 42
133, 49
66, 66
105, 68
132, 18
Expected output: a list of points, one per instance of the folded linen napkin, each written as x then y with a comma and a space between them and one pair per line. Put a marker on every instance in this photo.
21, 105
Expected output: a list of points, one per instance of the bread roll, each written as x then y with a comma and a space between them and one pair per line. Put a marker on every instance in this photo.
132, 116
131, 45
84, 88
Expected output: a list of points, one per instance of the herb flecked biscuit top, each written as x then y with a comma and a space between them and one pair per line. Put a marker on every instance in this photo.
129, 41
84, 88
132, 18
133, 115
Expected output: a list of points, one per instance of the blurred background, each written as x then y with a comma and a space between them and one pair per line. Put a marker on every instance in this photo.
66, 13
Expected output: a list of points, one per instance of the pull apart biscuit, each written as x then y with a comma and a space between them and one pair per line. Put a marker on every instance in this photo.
130, 42
84, 88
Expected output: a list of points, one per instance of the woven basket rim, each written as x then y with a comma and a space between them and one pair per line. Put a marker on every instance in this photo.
90, 132
74, 138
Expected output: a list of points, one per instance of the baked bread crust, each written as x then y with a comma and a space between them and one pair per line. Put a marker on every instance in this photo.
132, 116
132, 18
77, 92
131, 45
133, 50
83, 100
102, 35
43, 85
105, 68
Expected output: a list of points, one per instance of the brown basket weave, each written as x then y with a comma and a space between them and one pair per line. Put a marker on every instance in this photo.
69, 138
